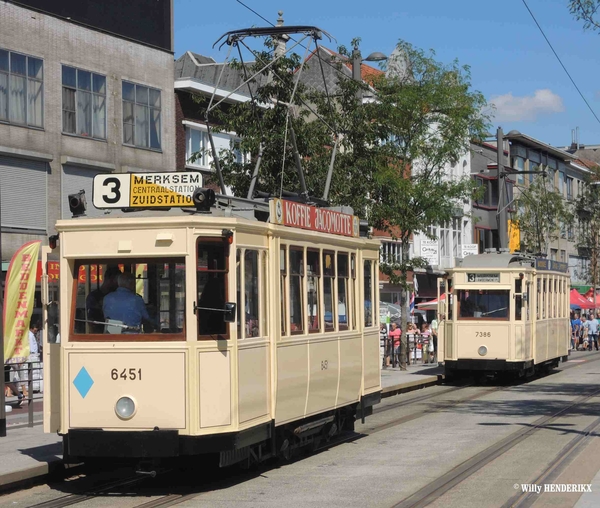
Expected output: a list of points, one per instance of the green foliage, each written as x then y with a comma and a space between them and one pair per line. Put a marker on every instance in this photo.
542, 214
586, 11
588, 213
393, 151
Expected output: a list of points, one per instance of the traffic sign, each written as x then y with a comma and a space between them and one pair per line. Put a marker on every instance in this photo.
145, 190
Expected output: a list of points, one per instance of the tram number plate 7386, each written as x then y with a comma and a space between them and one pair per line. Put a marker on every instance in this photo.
483, 334
126, 374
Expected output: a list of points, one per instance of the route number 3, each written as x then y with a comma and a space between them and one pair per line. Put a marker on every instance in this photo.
111, 191
126, 374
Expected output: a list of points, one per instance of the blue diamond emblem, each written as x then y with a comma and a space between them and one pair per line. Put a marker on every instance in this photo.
83, 382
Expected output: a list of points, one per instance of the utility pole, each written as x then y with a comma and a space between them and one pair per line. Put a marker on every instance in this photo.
501, 215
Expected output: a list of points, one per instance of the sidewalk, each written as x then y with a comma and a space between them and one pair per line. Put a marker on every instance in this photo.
27, 455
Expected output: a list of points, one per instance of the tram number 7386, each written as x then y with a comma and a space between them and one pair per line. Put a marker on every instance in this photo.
483, 334
126, 374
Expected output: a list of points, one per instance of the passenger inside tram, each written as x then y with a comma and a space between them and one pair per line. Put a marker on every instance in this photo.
483, 304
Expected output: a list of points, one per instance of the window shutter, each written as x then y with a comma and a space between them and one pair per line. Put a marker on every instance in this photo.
24, 192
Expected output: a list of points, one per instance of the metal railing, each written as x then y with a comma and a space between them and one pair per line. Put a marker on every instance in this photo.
28, 374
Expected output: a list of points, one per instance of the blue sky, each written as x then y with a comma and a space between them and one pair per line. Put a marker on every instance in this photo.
511, 63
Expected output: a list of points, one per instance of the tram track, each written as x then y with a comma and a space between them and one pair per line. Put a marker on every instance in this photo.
566, 455
425, 496
436, 489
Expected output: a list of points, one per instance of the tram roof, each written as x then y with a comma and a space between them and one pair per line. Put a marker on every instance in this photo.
496, 260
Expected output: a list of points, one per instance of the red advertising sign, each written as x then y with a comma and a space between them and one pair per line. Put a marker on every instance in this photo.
299, 215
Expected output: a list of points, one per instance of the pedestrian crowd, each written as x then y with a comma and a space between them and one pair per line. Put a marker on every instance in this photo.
584, 332
402, 349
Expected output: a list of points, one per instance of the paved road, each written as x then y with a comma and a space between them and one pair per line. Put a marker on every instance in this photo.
443, 446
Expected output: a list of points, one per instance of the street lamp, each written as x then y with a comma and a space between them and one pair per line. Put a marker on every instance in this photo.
356, 63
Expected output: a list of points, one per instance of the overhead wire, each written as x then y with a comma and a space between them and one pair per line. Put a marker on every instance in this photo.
561, 63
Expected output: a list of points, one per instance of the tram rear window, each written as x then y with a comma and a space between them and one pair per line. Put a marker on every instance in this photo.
483, 304
129, 299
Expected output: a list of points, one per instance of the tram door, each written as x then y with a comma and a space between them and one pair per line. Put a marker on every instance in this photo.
51, 346
441, 319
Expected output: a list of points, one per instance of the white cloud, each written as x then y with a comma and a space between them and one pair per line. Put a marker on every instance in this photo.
528, 107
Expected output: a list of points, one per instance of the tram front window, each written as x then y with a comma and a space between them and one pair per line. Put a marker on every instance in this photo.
127, 298
483, 304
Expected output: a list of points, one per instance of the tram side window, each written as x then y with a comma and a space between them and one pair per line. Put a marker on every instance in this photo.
282, 285
211, 282
129, 297
518, 299
352, 293
296, 279
313, 272
328, 285
342, 278
368, 306
538, 300
483, 304
251, 288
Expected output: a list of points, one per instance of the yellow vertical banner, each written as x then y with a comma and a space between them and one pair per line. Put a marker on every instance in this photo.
19, 292
514, 236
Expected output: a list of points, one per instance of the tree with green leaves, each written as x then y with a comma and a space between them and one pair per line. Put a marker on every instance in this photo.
588, 242
542, 215
393, 151
586, 11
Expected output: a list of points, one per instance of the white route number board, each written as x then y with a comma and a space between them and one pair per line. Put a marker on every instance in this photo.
145, 190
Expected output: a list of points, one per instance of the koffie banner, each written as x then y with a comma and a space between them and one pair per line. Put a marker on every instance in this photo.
299, 215
145, 190
19, 294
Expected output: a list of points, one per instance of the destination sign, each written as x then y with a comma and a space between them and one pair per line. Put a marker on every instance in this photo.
145, 190
299, 215
483, 277
551, 265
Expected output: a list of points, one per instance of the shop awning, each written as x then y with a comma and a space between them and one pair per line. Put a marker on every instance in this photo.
430, 304
578, 301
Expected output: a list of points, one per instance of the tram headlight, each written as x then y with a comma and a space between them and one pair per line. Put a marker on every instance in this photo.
482, 350
125, 408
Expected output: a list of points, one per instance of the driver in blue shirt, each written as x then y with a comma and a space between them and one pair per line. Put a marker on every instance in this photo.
124, 304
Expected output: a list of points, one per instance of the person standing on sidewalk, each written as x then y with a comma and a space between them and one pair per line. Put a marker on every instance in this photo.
394, 336
593, 333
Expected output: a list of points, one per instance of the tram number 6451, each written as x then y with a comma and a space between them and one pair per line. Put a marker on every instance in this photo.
131, 374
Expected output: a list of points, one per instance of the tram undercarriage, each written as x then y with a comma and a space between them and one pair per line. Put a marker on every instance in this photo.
499, 368
247, 447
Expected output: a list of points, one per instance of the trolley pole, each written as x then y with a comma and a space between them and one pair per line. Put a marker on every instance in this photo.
502, 215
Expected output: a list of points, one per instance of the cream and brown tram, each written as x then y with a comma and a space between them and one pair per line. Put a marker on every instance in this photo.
261, 334
505, 313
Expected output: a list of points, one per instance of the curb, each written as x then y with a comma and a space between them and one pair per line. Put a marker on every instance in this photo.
410, 386
30, 476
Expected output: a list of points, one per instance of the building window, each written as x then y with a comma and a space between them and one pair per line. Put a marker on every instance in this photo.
456, 237
561, 180
141, 116
21, 89
84, 103
518, 163
563, 255
391, 252
554, 254
445, 239
196, 148
569, 188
